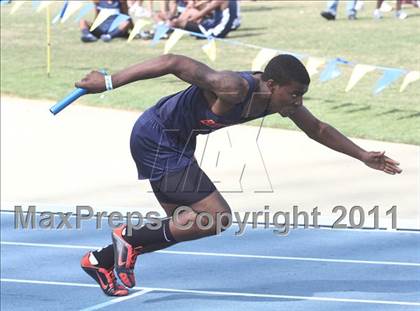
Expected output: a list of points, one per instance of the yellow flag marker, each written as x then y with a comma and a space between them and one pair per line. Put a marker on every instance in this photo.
410, 78
358, 73
210, 49
16, 6
136, 29
262, 58
313, 64
102, 16
72, 7
173, 39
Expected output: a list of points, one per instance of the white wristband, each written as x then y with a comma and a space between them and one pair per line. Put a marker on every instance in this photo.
108, 82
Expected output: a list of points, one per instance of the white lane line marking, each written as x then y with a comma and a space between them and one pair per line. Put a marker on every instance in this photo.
117, 300
217, 293
346, 261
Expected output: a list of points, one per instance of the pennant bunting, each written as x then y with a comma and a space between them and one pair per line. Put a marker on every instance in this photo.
85, 10
117, 21
358, 73
313, 64
173, 39
210, 49
160, 31
389, 76
16, 6
262, 58
71, 9
43, 4
136, 29
411, 77
331, 71
61, 13
102, 16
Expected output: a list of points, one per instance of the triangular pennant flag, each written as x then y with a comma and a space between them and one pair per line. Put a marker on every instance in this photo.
43, 5
210, 49
16, 6
136, 29
102, 16
389, 76
85, 10
313, 64
331, 71
262, 58
160, 31
117, 21
61, 13
71, 9
173, 39
410, 78
358, 73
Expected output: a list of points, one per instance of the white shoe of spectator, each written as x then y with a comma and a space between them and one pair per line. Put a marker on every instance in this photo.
401, 15
377, 14
385, 7
360, 5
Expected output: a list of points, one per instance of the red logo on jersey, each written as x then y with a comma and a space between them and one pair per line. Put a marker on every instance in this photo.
211, 123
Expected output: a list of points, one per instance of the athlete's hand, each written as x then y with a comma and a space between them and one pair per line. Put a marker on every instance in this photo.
94, 82
379, 161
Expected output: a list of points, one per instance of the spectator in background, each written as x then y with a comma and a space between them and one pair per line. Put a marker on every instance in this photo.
331, 12
400, 14
103, 31
223, 14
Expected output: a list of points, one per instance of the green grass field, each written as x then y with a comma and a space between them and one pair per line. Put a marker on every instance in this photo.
283, 25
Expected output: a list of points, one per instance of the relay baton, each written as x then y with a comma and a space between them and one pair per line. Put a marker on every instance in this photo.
67, 100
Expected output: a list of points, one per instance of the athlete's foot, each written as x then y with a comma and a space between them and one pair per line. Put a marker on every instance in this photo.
125, 256
104, 277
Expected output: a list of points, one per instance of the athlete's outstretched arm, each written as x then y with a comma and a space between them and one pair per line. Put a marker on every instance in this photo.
226, 85
329, 136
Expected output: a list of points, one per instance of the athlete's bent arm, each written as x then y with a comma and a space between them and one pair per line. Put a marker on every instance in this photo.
228, 86
329, 136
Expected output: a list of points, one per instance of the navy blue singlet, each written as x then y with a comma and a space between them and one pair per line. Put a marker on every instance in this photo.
163, 139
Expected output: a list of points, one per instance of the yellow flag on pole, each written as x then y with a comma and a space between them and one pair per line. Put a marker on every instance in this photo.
102, 16
358, 73
136, 29
410, 78
210, 49
262, 58
16, 6
313, 64
173, 39
72, 7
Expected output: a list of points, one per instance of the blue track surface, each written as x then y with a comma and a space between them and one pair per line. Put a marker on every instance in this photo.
310, 269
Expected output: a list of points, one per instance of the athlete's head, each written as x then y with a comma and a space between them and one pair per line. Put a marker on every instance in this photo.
287, 79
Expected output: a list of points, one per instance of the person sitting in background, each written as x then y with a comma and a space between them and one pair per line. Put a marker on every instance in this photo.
223, 14
103, 31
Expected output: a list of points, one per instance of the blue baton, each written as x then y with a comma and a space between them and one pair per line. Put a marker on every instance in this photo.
67, 100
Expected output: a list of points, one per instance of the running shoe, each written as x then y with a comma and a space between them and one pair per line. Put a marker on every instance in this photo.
125, 256
104, 277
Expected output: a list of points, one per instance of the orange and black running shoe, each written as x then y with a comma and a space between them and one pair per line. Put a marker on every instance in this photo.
125, 256
104, 277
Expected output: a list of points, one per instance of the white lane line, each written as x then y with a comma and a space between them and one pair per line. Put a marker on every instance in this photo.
117, 300
345, 261
235, 294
